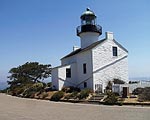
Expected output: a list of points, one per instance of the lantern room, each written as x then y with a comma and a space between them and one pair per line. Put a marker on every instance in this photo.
88, 23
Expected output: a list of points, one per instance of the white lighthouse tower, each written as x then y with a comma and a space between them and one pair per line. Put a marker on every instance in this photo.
88, 31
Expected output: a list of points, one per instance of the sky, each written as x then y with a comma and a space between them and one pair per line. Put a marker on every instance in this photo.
45, 30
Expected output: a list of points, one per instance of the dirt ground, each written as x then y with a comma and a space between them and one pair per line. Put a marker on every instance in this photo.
13, 108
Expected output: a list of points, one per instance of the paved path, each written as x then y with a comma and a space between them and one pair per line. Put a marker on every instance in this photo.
12, 108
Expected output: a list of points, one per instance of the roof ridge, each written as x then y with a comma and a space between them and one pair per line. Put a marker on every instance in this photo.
84, 49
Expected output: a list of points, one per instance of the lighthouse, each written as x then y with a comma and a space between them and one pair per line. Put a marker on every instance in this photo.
88, 31
95, 63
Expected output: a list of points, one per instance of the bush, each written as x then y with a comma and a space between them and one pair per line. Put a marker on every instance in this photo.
47, 89
31, 90
49, 84
116, 94
120, 103
72, 95
27, 90
138, 91
4, 90
145, 95
38, 87
111, 99
29, 93
71, 89
17, 91
109, 85
118, 81
133, 82
44, 95
84, 94
57, 96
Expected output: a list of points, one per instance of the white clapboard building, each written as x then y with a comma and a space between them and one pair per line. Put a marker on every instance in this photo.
96, 61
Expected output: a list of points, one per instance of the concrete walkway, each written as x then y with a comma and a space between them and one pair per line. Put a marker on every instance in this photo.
12, 108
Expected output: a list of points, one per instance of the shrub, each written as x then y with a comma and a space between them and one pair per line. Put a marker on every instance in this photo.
138, 91
84, 94
38, 87
120, 103
116, 94
30, 90
109, 85
49, 84
47, 89
17, 91
4, 90
67, 97
111, 99
70, 89
133, 82
57, 96
145, 95
73, 95
44, 95
29, 93
118, 81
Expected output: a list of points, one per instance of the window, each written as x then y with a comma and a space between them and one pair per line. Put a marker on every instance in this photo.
115, 51
85, 84
68, 72
84, 68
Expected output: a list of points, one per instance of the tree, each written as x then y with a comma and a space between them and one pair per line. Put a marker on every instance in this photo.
30, 72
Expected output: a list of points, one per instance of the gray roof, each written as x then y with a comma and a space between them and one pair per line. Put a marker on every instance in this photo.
91, 47
84, 49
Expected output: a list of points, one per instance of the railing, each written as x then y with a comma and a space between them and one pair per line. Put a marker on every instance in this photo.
89, 28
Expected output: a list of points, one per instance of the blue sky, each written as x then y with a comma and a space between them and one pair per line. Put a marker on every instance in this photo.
45, 30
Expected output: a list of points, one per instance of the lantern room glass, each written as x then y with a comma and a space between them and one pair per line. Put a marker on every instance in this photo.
88, 20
